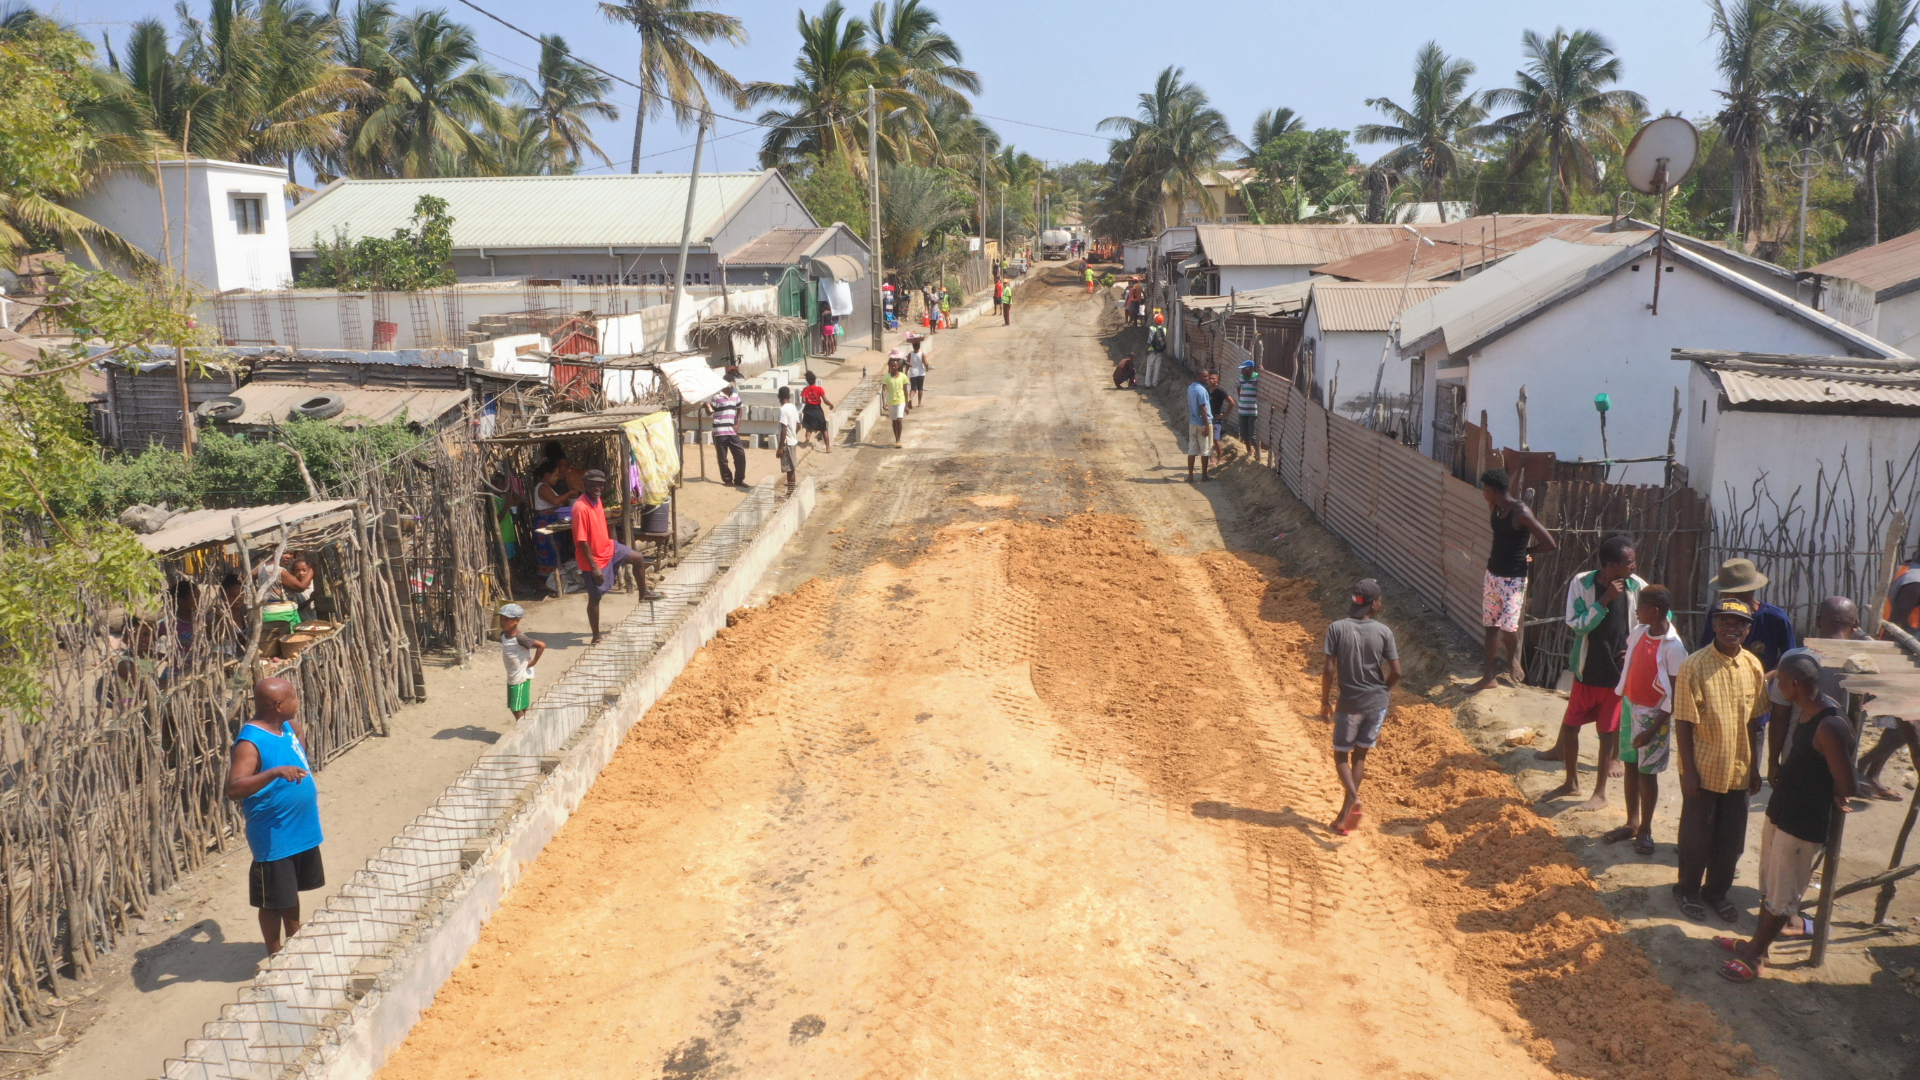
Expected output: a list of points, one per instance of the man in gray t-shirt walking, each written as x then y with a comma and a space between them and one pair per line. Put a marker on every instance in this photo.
1364, 662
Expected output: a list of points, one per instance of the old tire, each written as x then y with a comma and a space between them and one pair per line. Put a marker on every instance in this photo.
320, 407
221, 409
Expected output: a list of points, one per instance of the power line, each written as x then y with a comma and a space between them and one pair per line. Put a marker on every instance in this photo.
1042, 127
530, 36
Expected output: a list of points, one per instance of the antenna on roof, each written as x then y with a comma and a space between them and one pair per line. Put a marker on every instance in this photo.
1659, 159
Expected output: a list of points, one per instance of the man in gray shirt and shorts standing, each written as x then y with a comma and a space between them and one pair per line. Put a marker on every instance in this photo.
1364, 662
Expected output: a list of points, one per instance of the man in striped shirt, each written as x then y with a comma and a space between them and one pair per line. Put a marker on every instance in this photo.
1248, 396
725, 407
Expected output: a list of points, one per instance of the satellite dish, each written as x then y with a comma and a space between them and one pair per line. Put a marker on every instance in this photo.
1668, 145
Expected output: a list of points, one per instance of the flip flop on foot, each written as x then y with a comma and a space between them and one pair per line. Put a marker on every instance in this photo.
1739, 971
1614, 836
1644, 844
1691, 908
1727, 912
1882, 792
1730, 944
1798, 927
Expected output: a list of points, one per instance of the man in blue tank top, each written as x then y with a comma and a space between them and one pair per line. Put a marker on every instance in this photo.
269, 777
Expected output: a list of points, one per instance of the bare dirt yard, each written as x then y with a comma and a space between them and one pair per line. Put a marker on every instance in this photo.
1016, 773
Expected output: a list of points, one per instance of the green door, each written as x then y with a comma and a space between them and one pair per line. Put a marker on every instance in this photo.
795, 301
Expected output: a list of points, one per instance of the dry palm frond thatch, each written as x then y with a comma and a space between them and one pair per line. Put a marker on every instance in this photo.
718, 331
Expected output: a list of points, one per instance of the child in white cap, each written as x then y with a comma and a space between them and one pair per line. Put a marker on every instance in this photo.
520, 653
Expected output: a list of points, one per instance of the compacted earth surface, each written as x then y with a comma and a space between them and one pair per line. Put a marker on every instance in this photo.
1016, 771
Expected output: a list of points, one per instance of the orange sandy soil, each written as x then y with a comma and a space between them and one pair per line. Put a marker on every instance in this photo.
1047, 802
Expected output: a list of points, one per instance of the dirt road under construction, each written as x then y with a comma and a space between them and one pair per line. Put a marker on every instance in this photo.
1020, 776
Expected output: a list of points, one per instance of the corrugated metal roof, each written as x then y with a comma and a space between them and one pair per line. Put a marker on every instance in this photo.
1368, 305
273, 402
1508, 291
196, 527
778, 247
1830, 391
528, 212
1290, 245
1286, 299
1470, 242
1882, 266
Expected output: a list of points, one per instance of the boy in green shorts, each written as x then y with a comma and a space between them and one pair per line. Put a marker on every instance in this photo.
520, 653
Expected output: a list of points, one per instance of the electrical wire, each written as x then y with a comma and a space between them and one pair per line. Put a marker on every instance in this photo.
676, 102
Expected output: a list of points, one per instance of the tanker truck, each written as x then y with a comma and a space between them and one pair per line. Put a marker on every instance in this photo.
1054, 243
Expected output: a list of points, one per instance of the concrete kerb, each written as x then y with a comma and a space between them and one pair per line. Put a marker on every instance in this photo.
346, 990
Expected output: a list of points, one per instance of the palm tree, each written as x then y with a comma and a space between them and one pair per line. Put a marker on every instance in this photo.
1434, 133
921, 63
565, 94
672, 67
363, 42
1271, 124
1170, 148
1877, 84
441, 94
822, 108
1759, 43
1560, 108
915, 202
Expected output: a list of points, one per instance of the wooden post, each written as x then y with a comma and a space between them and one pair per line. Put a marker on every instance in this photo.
1482, 446
626, 492
1829, 880
1673, 436
395, 558
1520, 406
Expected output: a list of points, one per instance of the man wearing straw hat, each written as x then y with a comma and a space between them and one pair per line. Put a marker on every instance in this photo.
1771, 633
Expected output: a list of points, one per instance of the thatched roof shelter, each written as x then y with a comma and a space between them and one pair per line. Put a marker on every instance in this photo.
718, 331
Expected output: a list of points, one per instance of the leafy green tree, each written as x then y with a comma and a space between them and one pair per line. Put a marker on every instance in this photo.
1270, 125
564, 96
672, 67
831, 192
414, 258
1435, 128
1560, 108
50, 146
1300, 168
1759, 46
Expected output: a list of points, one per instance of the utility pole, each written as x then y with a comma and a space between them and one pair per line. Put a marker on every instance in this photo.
877, 264
1805, 163
686, 238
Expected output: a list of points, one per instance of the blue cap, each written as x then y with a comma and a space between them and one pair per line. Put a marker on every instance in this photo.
513, 611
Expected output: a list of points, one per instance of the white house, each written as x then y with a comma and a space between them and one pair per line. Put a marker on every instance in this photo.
220, 223
1344, 335
1782, 435
1875, 290
588, 230
1570, 321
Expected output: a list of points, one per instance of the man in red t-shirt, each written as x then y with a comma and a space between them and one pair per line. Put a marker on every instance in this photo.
599, 555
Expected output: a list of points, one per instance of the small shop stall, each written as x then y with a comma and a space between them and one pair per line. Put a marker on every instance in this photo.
302, 591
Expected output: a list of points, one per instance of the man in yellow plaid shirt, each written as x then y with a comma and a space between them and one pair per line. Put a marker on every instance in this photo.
1719, 701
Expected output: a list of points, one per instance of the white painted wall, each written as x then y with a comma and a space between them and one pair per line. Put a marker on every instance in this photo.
1606, 341
1353, 358
1730, 451
198, 220
1243, 278
1897, 322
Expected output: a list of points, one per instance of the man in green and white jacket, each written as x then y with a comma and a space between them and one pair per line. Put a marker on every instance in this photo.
1600, 612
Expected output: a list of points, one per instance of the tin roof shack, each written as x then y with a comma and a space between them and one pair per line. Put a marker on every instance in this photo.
1875, 290
1783, 429
1348, 324
1570, 321
586, 230
143, 398
342, 643
828, 263
1230, 258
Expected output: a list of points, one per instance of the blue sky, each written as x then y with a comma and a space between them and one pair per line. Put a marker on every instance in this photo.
1066, 66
